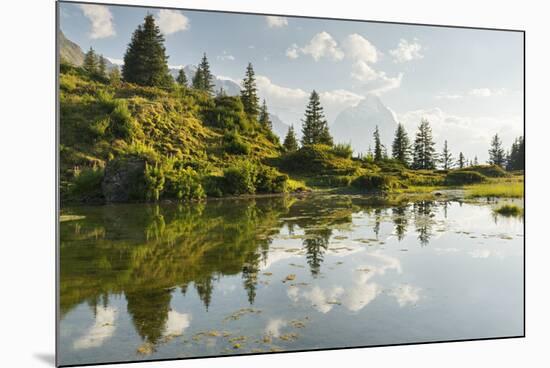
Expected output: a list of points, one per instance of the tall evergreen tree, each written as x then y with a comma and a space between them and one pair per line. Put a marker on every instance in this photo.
516, 157
314, 125
378, 147
203, 79
102, 67
264, 119
249, 94
461, 160
446, 157
496, 152
145, 60
290, 143
424, 156
91, 61
182, 78
401, 146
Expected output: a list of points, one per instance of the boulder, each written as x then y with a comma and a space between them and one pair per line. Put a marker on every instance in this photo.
124, 180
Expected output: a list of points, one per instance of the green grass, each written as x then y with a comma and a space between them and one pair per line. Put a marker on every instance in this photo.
509, 210
510, 189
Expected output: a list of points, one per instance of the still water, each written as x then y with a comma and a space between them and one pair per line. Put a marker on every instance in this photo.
144, 281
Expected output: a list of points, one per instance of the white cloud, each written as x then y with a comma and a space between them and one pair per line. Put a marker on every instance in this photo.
292, 52
115, 61
102, 20
480, 253
471, 135
359, 48
226, 56
376, 82
449, 96
171, 21
486, 92
406, 51
102, 329
276, 22
320, 46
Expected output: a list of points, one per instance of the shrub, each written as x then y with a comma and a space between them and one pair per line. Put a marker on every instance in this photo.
154, 181
464, 177
234, 144
342, 150
491, 171
316, 159
122, 123
269, 180
240, 179
227, 113
376, 182
213, 185
184, 184
86, 185
509, 210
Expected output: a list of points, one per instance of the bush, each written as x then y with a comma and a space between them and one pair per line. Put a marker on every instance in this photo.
86, 185
269, 180
240, 179
464, 177
122, 123
213, 185
509, 210
318, 159
376, 182
184, 184
227, 113
491, 171
234, 144
154, 181
342, 150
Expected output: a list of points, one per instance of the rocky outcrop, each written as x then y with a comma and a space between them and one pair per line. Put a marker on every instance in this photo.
124, 180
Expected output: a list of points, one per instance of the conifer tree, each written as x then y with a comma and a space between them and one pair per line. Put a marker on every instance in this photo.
516, 157
314, 125
102, 67
290, 143
446, 157
401, 146
203, 79
378, 147
182, 78
145, 60
264, 119
461, 160
475, 162
114, 75
424, 156
249, 94
496, 152
91, 61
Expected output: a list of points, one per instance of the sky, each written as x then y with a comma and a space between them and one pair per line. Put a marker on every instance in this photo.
468, 83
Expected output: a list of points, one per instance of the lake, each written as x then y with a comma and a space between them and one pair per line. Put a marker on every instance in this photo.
146, 281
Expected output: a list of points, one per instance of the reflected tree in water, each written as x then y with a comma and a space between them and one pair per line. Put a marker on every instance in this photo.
400, 221
423, 220
149, 311
316, 244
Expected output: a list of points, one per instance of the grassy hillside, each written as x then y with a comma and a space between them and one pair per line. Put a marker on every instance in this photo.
121, 142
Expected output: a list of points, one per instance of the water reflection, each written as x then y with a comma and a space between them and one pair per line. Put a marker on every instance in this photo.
152, 258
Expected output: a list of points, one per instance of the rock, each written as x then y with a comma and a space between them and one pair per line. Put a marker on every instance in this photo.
124, 179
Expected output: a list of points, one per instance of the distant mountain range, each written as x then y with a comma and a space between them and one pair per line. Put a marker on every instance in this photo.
356, 124
72, 53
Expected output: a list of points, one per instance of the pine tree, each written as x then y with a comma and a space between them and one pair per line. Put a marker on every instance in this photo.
249, 94
446, 157
314, 125
182, 78
145, 60
290, 143
203, 79
102, 67
378, 147
424, 156
114, 76
264, 119
401, 146
91, 61
475, 162
516, 157
461, 160
496, 152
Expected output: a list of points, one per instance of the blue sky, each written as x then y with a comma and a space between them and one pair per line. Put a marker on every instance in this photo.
468, 83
